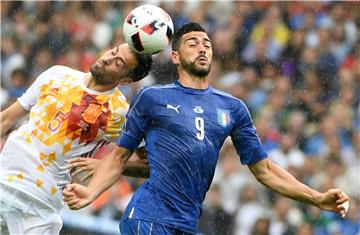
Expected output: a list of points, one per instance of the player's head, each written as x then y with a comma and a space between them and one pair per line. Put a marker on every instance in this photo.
120, 65
192, 49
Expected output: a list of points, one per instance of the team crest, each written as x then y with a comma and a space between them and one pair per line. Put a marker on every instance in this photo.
198, 109
223, 117
92, 113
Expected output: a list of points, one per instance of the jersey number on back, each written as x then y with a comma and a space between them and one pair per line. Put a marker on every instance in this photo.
199, 124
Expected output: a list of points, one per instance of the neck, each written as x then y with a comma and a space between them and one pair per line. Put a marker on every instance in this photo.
191, 81
91, 84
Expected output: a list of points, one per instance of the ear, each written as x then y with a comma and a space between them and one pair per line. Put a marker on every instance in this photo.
175, 57
125, 81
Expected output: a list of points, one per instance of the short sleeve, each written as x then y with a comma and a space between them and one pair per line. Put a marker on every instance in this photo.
31, 95
137, 121
117, 120
245, 138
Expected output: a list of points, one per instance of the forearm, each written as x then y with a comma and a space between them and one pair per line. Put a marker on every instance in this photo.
138, 168
6, 122
4, 126
284, 183
107, 172
9, 116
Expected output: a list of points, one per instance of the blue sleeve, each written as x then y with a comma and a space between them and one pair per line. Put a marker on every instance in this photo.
245, 138
137, 120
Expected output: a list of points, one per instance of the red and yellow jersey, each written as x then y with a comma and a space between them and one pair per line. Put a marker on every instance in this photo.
66, 120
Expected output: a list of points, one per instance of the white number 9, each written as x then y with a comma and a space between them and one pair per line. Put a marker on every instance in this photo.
199, 124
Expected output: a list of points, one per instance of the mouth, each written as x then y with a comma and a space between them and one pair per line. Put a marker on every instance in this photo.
202, 59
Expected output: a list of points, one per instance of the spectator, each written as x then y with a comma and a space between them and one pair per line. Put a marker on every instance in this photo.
250, 210
214, 219
287, 155
19, 84
261, 227
296, 65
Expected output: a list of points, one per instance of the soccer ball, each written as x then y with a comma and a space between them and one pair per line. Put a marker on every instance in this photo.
148, 29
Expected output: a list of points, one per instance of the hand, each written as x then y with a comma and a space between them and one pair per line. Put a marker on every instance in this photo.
82, 164
332, 200
77, 196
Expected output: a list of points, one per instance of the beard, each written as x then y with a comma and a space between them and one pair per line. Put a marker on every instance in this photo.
100, 77
193, 69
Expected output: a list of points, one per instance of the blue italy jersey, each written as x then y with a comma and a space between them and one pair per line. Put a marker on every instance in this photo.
184, 130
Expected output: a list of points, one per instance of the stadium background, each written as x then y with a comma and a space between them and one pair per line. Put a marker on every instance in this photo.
295, 64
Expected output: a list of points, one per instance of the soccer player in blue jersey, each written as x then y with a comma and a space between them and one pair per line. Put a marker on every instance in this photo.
184, 125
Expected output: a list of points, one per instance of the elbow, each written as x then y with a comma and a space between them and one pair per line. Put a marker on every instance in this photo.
120, 157
261, 177
261, 171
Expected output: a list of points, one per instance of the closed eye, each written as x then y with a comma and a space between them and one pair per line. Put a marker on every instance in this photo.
115, 51
120, 61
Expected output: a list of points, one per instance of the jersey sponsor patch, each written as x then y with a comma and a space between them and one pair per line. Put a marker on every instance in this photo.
223, 117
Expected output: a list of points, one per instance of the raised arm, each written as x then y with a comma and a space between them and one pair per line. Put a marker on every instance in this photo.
10, 115
106, 174
279, 180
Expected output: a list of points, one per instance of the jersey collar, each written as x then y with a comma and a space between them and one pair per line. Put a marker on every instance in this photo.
192, 90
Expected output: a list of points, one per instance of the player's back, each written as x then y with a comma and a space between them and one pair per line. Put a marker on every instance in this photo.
184, 130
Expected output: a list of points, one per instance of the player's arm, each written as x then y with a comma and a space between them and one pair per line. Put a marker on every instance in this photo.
24, 103
107, 172
9, 116
137, 166
252, 153
279, 180
141, 153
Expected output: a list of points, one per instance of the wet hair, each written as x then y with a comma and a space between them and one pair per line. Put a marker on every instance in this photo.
143, 68
186, 28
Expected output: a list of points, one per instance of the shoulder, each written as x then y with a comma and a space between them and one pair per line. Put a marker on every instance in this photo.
159, 88
223, 94
229, 98
154, 90
118, 99
61, 71
150, 95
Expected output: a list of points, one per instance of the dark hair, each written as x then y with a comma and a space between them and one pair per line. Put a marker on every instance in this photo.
186, 28
143, 68
19, 71
22, 73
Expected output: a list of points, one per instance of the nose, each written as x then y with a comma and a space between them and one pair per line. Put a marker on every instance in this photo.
202, 49
109, 59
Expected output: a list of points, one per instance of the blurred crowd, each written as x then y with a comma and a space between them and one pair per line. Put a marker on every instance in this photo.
295, 64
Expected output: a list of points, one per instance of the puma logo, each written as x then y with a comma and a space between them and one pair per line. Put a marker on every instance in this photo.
169, 106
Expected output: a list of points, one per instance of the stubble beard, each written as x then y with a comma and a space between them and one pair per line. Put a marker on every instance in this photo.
99, 77
193, 69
